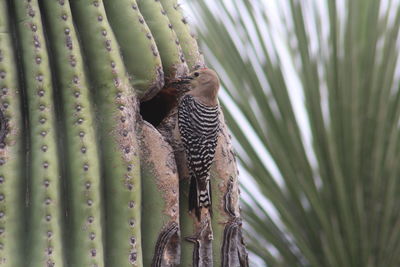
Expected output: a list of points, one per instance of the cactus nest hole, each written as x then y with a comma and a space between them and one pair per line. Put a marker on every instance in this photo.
157, 108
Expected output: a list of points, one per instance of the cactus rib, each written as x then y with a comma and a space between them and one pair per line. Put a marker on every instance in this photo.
190, 49
172, 58
139, 50
160, 227
117, 109
192, 231
44, 245
226, 221
85, 244
11, 150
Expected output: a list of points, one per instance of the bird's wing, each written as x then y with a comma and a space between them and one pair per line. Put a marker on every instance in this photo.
199, 127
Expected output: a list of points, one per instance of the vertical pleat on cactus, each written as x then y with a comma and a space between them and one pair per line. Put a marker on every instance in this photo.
81, 164
172, 58
143, 63
117, 114
160, 203
44, 241
11, 149
228, 245
190, 49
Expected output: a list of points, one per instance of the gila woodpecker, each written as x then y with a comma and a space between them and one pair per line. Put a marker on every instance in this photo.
198, 121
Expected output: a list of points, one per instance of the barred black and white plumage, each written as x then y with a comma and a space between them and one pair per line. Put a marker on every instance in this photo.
199, 128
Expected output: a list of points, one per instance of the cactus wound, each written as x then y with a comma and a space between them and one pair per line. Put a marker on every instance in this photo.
202, 240
197, 232
228, 198
167, 246
3, 128
233, 241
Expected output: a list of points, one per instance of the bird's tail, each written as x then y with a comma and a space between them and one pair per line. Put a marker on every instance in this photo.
199, 195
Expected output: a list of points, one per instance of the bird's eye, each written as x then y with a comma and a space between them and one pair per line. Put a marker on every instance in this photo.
196, 74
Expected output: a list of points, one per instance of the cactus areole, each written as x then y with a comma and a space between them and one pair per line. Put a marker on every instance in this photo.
92, 170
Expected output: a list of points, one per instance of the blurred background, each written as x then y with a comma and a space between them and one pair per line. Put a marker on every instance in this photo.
311, 97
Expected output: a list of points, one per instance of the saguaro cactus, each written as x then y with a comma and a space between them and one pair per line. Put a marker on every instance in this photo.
81, 164
85, 178
11, 151
45, 207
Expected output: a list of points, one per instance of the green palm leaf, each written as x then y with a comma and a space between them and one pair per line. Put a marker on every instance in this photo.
311, 95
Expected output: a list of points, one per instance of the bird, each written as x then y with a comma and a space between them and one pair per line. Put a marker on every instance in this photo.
199, 126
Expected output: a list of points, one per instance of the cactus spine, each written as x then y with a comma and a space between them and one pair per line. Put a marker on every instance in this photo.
85, 244
11, 149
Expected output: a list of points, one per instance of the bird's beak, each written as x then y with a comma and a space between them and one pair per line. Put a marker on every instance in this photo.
182, 84
182, 80
186, 79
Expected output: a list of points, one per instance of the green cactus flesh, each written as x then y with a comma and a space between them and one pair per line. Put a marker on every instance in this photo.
160, 203
116, 110
188, 43
44, 244
172, 58
186, 221
82, 168
143, 62
228, 247
11, 149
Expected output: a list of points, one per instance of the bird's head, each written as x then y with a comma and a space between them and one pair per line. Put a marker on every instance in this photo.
204, 83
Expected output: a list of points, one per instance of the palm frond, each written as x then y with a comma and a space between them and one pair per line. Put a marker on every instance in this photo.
311, 95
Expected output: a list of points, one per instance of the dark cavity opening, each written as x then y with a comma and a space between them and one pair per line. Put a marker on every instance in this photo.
157, 108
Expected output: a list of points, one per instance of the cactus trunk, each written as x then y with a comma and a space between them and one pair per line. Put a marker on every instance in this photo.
85, 180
